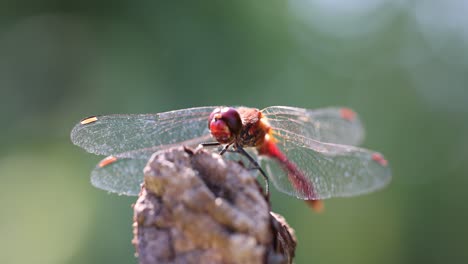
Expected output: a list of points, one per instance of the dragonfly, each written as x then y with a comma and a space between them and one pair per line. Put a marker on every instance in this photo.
309, 154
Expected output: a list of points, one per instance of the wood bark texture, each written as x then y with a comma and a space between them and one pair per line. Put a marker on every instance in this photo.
196, 207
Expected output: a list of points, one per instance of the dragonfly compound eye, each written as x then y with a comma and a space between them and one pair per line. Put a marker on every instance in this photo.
225, 123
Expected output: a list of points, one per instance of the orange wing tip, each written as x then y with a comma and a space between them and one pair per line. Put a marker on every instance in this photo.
107, 161
316, 205
89, 120
347, 114
379, 158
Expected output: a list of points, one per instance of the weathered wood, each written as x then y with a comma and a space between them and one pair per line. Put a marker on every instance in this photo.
196, 207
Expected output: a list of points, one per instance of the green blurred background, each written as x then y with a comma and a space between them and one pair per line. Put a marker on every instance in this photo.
402, 65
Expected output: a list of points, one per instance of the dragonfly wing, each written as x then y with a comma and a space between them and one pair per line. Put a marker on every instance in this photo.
124, 176
110, 134
333, 125
333, 170
123, 173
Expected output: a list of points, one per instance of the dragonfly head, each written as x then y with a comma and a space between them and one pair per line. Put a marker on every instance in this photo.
225, 124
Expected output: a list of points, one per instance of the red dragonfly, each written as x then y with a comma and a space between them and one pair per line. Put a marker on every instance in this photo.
309, 154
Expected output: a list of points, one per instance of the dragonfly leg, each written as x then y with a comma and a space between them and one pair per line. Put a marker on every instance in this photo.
207, 144
225, 148
241, 150
256, 166
210, 144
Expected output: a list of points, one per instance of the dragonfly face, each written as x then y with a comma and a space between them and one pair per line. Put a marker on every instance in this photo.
309, 154
225, 124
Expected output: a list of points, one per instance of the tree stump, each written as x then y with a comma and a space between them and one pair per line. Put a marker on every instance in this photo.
196, 207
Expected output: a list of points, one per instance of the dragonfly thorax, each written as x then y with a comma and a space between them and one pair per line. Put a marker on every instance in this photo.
254, 127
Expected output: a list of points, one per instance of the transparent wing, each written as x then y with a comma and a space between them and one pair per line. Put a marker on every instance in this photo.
333, 125
333, 170
110, 134
123, 173
124, 176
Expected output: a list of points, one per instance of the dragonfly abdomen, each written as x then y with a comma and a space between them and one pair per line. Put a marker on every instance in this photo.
295, 175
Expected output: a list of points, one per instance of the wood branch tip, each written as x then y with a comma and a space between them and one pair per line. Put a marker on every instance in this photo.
197, 207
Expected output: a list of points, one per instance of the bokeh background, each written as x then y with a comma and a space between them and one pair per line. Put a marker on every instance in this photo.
402, 65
